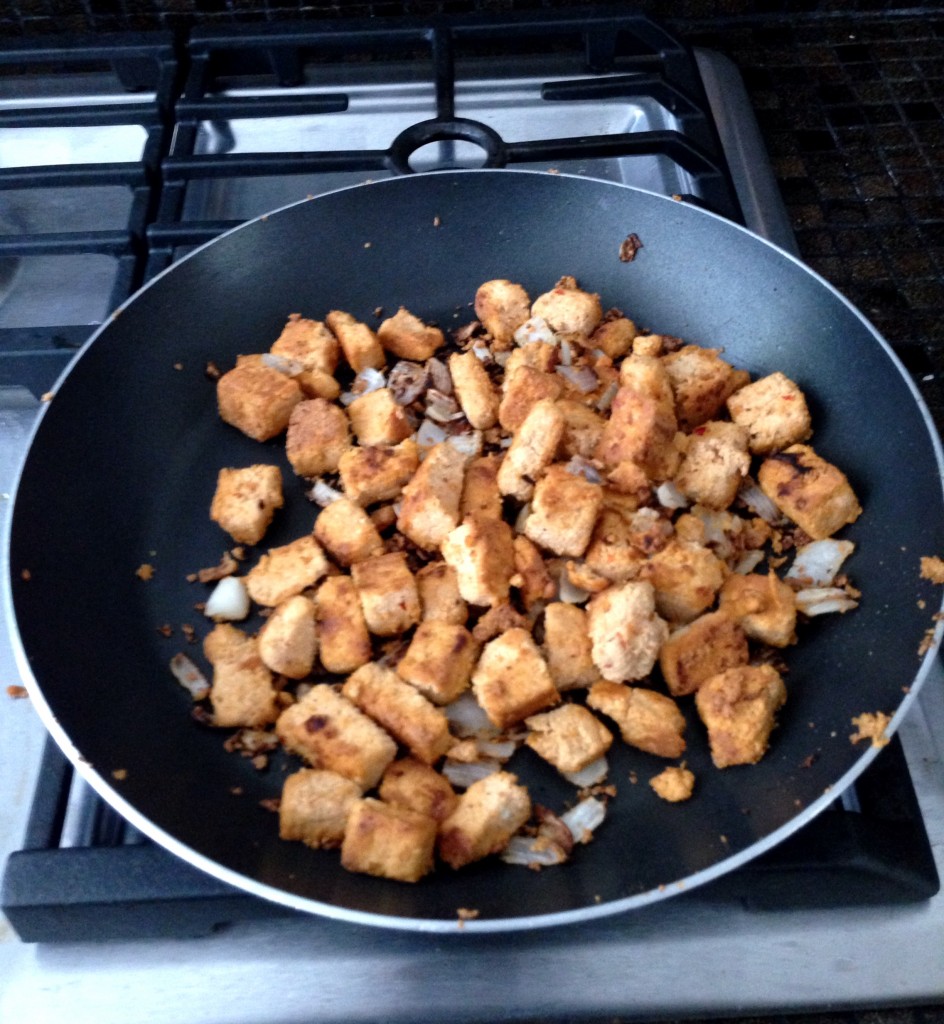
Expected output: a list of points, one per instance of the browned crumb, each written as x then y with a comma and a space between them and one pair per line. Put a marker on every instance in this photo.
120, 774
47, 396
437, 221
466, 914
871, 726
227, 567
145, 571
212, 371
674, 784
167, 630
239, 553
17, 692
189, 632
630, 246
236, 790
178, 366
271, 803
809, 760
260, 762
26, 575
932, 568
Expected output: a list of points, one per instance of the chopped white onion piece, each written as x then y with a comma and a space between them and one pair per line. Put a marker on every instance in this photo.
824, 601
469, 444
526, 851
522, 519
189, 676
428, 435
584, 818
482, 352
580, 377
579, 466
670, 496
566, 352
323, 494
758, 502
463, 773
500, 750
439, 375
590, 775
818, 562
748, 562
535, 329
467, 718
229, 601
501, 358
568, 593
290, 367
606, 399
369, 379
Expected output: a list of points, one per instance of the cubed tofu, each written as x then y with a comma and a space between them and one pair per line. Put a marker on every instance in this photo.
673, 784
370, 474
288, 642
429, 509
480, 493
499, 619
764, 606
315, 806
564, 509
285, 571
318, 435
569, 310
474, 390
224, 641
318, 384
614, 336
641, 430
648, 345
524, 388
388, 841
739, 707
407, 337
612, 552
242, 692
647, 375
703, 648
502, 307
257, 400
567, 647
687, 577
388, 594
245, 501
539, 355
702, 382
512, 680
646, 720
359, 344
347, 532
569, 737
532, 579
438, 586
583, 428
401, 710
488, 814
714, 464
439, 660
327, 731
418, 787
377, 419
481, 550
532, 449
812, 492
774, 412
625, 632
308, 343
343, 637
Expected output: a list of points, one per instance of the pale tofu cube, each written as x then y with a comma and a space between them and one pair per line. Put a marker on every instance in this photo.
318, 435
347, 532
429, 509
569, 737
245, 501
407, 337
257, 400
388, 841
523, 389
502, 307
569, 310
614, 336
532, 579
370, 474
439, 660
613, 552
418, 787
625, 632
710, 644
481, 551
343, 637
583, 428
641, 429
308, 343
567, 647
288, 642
480, 493
488, 814
646, 720
764, 606
512, 680
285, 571
714, 464
242, 692
358, 342
438, 586
474, 390
377, 419
774, 412
388, 594
702, 382
532, 449
687, 577
673, 784
739, 707
564, 510
315, 806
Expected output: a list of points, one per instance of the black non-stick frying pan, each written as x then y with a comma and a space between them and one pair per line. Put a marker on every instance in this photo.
124, 461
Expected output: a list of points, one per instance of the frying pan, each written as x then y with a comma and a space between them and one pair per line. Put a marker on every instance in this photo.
123, 465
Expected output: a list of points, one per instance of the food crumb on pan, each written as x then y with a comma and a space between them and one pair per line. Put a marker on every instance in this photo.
674, 784
437, 221
871, 726
26, 575
16, 692
47, 396
120, 774
212, 371
631, 245
178, 365
932, 568
464, 914
145, 571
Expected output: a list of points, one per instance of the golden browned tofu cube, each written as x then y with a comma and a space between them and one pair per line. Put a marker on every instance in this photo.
347, 532
647, 375
358, 342
563, 511
532, 579
438, 586
567, 648
709, 645
686, 577
257, 400
406, 336
439, 660
648, 345
285, 571
714, 464
245, 501
738, 707
612, 552
569, 310
480, 493
812, 492
223, 641
502, 307
583, 428
569, 737
489, 813
343, 637
614, 336
474, 390
315, 806
419, 787
764, 606
774, 412
328, 731
401, 709
430, 505
288, 641
242, 694
673, 784
482, 553
388, 594
522, 390
389, 841
377, 419
625, 632
512, 680
702, 382
539, 355
308, 343
641, 429
318, 435
646, 720
532, 449
371, 474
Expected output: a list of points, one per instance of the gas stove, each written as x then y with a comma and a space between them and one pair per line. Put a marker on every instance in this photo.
120, 154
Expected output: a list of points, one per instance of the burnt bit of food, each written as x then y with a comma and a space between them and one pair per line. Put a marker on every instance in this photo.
17, 692
630, 245
145, 571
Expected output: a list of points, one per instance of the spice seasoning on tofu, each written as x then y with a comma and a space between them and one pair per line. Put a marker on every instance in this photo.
554, 529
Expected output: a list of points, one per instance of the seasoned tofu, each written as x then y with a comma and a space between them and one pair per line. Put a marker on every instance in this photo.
625, 632
388, 594
613, 552
358, 342
474, 390
532, 449
418, 787
524, 388
488, 814
245, 501
377, 419
347, 532
327, 731
344, 641
288, 640
481, 551
564, 510
315, 806
739, 707
714, 464
647, 375
257, 400
512, 680
569, 737
764, 606
641, 429
812, 492
401, 710
774, 412
285, 571
649, 345
429, 509
532, 579
370, 474
614, 336
308, 343
687, 577
569, 310
388, 841
647, 720
225, 641
438, 586
710, 644
242, 692
407, 337
318, 435
567, 647
439, 660
480, 493
502, 307
538, 355
702, 382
